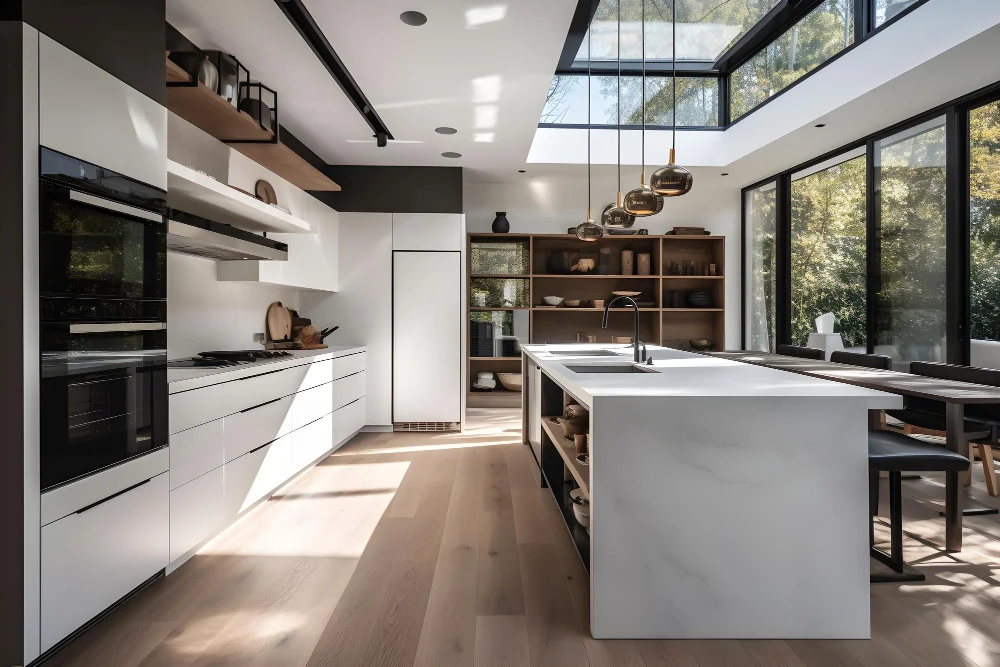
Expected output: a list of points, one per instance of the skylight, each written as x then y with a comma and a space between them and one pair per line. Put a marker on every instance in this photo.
705, 28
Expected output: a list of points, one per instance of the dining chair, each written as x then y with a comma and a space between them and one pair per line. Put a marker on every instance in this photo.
803, 352
982, 422
879, 361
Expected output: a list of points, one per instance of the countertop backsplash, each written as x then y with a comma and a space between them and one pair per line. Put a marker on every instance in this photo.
206, 314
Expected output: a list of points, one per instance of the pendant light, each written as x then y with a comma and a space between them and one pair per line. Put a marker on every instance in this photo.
588, 230
642, 201
615, 217
672, 180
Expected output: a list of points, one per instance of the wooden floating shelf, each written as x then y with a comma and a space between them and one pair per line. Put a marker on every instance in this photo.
495, 359
691, 310
691, 277
515, 276
591, 275
200, 106
567, 309
193, 192
567, 450
482, 309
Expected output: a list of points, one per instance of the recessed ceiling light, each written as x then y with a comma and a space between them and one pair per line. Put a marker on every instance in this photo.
413, 18
520, 171
820, 124
451, 154
445, 130
483, 137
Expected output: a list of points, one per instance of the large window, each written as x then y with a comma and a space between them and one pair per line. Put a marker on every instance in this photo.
760, 218
820, 35
910, 296
828, 266
886, 10
984, 221
697, 101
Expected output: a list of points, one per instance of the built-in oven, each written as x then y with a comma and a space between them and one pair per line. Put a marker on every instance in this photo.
103, 332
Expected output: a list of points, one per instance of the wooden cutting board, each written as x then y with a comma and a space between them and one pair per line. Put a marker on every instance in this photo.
279, 322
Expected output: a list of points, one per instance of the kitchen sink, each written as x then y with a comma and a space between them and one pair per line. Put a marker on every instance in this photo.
584, 353
610, 369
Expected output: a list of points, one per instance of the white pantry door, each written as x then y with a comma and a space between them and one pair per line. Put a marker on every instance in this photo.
426, 336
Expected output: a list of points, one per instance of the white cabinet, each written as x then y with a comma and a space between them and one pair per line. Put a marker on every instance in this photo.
196, 451
348, 389
197, 511
93, 557
255, 474
312, 441
348, 420
89, 114
349, 365
310, 405
427, 337
428, 231
256, 426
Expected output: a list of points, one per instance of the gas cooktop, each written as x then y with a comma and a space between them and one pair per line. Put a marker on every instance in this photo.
219, 358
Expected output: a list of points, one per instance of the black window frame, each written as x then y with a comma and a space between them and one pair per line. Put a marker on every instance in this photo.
957, 224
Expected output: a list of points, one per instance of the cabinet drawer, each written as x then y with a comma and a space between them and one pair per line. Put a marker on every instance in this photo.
255, 474
198, 406
310, 405
196, 451
257, 426
317, 373
197, 510
311, 442
92, 558
348, 389
352, 363
348, 420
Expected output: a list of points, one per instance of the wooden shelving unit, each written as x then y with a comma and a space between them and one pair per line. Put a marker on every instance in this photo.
665, 322
200, 106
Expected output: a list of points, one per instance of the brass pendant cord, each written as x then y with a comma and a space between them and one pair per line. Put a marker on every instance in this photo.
642, 179
673, 75
590, 44
619, 200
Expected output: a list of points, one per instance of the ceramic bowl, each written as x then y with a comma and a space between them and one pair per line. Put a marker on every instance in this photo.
572, 427
552, 300
700, 344
598, 303
572, 303
581, 508
574, 411
511, 381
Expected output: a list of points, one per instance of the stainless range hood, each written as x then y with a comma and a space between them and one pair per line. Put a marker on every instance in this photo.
192, 235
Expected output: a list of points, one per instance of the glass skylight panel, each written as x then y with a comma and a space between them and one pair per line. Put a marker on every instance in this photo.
705, 28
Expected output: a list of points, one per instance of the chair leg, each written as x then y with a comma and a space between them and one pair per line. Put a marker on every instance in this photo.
966, 476
986, 454
872, 505
894, 559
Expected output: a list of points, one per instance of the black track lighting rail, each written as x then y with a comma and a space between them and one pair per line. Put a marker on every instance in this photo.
303, 21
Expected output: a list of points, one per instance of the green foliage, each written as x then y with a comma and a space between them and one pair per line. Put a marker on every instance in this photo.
984, 135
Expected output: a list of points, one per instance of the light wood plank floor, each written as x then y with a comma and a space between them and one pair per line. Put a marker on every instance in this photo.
441, 549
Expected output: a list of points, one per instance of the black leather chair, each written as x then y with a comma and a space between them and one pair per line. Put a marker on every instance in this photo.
894, 453
879, 361
982, 422
804, 352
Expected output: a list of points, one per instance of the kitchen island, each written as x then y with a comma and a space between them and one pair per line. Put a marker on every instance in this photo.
726, 500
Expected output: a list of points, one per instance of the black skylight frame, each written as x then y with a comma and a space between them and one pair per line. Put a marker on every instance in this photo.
784, 15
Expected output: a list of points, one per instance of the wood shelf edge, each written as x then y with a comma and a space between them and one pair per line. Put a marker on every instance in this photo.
579, 471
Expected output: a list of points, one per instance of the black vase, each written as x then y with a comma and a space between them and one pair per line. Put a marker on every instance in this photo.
500, 223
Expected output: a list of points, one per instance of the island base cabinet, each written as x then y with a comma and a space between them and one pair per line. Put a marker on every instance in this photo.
348, 420
96, 556
197, 511
255, 474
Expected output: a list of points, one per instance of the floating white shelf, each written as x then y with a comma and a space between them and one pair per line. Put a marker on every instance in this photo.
193, 192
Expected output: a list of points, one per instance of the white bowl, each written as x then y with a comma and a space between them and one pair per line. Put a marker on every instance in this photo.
484, 375
482, 383
552, 300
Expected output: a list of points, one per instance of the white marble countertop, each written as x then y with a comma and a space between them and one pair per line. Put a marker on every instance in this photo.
184, 379
680, 373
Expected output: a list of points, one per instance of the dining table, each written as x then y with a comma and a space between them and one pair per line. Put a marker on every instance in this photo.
954, 394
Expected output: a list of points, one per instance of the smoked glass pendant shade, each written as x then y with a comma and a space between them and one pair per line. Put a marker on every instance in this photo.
589, 230
615, 217
672, 180
642, 201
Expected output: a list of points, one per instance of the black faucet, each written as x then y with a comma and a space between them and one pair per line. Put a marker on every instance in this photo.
635, 326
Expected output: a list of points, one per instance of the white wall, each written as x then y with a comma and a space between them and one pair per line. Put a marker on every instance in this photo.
549, 199
205, 314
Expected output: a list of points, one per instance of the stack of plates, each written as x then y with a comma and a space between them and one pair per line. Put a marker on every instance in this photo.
699, 299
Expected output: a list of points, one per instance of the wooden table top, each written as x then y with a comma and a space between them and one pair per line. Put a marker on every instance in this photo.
893, 382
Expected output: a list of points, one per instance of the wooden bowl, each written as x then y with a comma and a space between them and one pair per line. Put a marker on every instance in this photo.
572, 303
511, 381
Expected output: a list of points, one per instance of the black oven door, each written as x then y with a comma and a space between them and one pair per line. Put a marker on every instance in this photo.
103, 396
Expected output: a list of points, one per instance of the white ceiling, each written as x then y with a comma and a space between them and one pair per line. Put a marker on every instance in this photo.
478, 66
